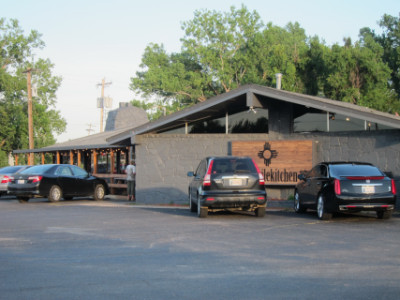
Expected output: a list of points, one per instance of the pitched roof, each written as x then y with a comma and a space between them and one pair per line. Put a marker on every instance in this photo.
118, 120
94, 141
248, 95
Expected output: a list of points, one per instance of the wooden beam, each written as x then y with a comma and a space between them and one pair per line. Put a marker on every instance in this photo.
58, 157
71, 157
112, 158
94, 161
79, 158
42, 158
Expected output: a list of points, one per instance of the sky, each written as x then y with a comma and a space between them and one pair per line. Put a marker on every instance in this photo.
89, 40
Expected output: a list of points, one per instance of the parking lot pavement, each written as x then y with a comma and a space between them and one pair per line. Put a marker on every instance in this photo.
83, 249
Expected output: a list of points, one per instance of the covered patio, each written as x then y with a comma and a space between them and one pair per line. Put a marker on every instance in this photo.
92, 153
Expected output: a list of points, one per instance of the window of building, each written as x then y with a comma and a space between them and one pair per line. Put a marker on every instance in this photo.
248, 121
312, 120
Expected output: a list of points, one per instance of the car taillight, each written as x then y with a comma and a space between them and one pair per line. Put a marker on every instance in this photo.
337, 187
35, 178
394, 191
6, 179
207, 177
261, 179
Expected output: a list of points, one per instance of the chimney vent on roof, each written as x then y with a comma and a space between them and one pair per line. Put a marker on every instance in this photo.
278, 80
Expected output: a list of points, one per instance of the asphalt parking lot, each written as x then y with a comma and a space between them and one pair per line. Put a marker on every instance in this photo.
82, 249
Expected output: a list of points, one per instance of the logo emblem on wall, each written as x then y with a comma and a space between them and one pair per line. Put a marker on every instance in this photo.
267, 154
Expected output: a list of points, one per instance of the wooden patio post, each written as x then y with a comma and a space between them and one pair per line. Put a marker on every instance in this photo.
94, 161
112, 158
71, 157
16, 159
79, 158
42, 158
58, 157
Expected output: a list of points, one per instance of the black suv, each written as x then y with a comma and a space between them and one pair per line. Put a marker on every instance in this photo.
227, 183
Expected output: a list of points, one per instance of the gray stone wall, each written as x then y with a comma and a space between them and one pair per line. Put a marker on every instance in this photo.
164, 160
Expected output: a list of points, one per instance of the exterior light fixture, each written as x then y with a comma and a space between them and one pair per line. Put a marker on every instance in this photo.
251, 109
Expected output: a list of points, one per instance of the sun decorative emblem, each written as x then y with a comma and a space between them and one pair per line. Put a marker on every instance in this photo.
267, 154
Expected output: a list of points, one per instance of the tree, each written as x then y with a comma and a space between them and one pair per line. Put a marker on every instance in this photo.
390, 42
357, 74
16, 55
222, 51
312, 69
169, 77
276, 50
218, 42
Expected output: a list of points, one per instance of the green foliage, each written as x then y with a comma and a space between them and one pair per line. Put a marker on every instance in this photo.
222, 51
16, 56
389, 40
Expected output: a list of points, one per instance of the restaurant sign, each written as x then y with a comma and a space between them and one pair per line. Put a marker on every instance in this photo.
279, 161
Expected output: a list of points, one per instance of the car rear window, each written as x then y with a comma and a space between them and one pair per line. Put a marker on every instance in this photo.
40, 169
9, 170
233, 165
354, 170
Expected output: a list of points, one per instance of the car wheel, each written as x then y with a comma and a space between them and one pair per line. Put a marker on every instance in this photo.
23, 199
260, 211
298, 207
321, 209
99, 192
55, 193
202, 211
384, 214
192, 206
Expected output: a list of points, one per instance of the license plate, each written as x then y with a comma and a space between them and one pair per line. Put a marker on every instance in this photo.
20, 181
368, 189
235, 182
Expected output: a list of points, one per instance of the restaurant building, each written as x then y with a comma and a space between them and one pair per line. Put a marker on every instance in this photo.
285, 133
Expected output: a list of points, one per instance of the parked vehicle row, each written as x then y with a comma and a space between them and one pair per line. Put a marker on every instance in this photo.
55, 182
226, 183
329, 187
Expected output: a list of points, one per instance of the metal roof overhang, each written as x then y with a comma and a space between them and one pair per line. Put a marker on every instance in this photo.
67, 148
257, 96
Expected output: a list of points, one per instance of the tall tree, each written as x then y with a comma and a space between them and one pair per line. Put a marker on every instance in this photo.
357, 74
16, 56
222, 51
390, 41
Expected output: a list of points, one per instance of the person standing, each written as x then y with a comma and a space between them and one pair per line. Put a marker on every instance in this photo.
131, 180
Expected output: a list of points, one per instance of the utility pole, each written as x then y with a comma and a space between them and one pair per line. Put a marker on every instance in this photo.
103, 84
89, 130
30, 115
